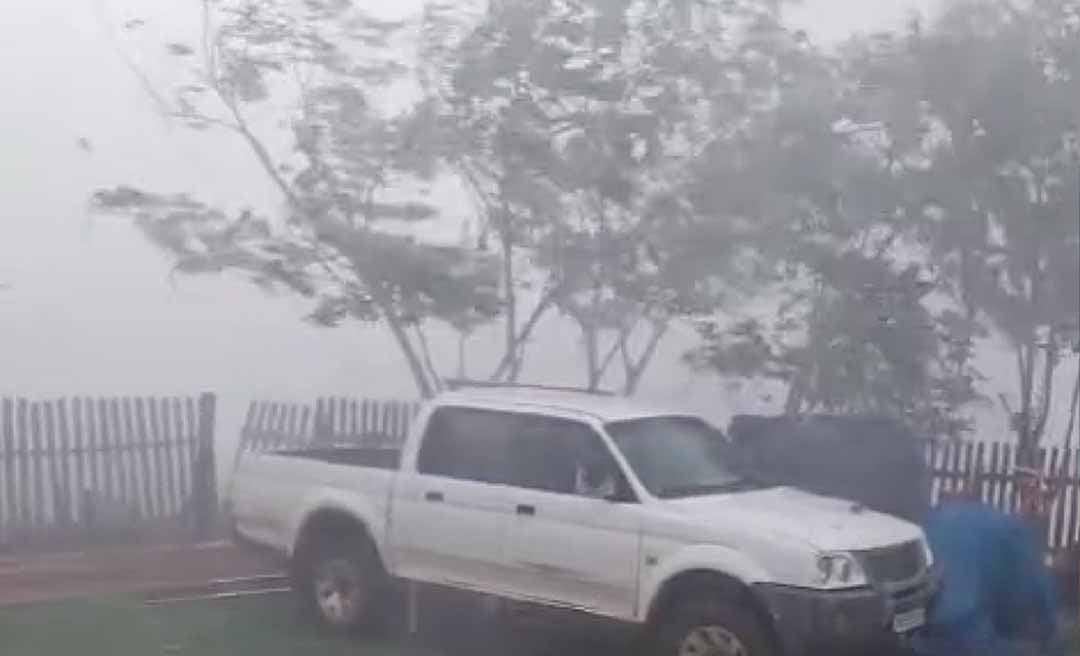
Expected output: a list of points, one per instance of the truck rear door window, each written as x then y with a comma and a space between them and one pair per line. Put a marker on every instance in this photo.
468, 444
551, 454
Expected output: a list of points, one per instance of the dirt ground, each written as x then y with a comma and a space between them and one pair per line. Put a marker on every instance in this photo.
123, 571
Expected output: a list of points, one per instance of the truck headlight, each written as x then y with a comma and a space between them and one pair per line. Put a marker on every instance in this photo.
928, 553
839, 571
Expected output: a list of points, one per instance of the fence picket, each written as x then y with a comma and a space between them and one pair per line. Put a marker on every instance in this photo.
133, 448
169, 440
157, 438
366, 423
57, 511
979, 473
1052, 473
119, 448
1007, 492
7, 427
291, 426
37, 464
995, 475
22, 431
66, 456
142, 429
105, 445
79, 447
354, 418
187, 448
204, 476
1068, 497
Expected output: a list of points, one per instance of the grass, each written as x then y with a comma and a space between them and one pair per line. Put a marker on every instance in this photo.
263, 626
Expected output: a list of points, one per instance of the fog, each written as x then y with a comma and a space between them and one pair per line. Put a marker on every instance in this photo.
89, 308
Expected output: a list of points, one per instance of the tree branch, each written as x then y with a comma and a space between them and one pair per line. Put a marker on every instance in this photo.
510, 357
609, 357
637, 371
425, 350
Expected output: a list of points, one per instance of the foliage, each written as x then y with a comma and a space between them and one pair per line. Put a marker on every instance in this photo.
639, 162
583, 122
816, 214
982, 119
341, 240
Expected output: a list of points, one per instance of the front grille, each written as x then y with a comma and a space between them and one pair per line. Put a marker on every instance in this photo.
894, 564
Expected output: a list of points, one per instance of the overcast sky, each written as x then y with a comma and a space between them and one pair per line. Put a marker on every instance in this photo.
90, 308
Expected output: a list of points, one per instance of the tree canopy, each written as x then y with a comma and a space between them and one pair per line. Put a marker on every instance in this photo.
636, 163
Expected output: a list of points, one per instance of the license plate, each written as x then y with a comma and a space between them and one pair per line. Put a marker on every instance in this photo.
909, 620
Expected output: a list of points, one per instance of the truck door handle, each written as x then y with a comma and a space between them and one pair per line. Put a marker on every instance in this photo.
434, 497
527, 510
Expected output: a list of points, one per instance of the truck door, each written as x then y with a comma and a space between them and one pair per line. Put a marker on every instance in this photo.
574, 537
449, 513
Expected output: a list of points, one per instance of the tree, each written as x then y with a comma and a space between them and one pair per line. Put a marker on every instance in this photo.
582, 122
982, 117
819, 216
340, 239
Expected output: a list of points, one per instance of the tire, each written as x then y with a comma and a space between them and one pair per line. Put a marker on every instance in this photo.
711, 628
340, 583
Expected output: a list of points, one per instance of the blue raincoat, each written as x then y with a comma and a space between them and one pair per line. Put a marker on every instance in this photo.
995, 587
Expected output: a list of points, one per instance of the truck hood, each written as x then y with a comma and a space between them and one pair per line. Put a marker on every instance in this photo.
825, 523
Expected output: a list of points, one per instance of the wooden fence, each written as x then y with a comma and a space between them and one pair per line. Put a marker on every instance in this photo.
272, 425
86, 471
991, 468
989, 465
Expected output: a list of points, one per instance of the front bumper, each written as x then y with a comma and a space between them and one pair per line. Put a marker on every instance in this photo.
815, 622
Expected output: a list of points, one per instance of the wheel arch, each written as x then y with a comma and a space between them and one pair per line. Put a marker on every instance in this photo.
695, 583
329, 521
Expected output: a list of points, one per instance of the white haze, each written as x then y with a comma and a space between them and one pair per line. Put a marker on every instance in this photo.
89, 308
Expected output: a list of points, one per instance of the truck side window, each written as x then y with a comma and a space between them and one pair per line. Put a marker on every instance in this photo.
561, 456
467, 444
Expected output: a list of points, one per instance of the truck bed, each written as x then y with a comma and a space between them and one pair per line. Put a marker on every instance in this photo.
377, 457
270, 491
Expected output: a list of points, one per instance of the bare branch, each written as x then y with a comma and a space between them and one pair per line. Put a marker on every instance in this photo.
637, 369
425, 350
545, 303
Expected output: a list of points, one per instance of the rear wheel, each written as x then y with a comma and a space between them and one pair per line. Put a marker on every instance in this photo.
341, 582
711, 628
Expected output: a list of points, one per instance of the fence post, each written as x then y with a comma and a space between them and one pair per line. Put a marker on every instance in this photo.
9, 451
204, 477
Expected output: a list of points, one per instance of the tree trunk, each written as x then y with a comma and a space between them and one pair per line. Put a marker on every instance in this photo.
510, 364
592, 357
462, 369
397, 329
635, 371
510, 300
794, 402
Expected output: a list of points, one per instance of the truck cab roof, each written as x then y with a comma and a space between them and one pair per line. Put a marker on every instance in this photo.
600, 407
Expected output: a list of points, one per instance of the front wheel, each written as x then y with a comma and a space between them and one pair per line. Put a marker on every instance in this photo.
711, 628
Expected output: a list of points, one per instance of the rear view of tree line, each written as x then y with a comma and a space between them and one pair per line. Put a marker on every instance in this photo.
636, 163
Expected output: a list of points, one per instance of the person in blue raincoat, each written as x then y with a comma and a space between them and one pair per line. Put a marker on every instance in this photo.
997, 597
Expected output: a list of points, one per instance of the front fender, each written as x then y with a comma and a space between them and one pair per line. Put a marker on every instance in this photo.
672, 561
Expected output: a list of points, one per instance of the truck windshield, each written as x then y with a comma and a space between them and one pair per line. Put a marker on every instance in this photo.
679, 456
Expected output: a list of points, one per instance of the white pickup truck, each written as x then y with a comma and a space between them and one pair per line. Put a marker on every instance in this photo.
570, 501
